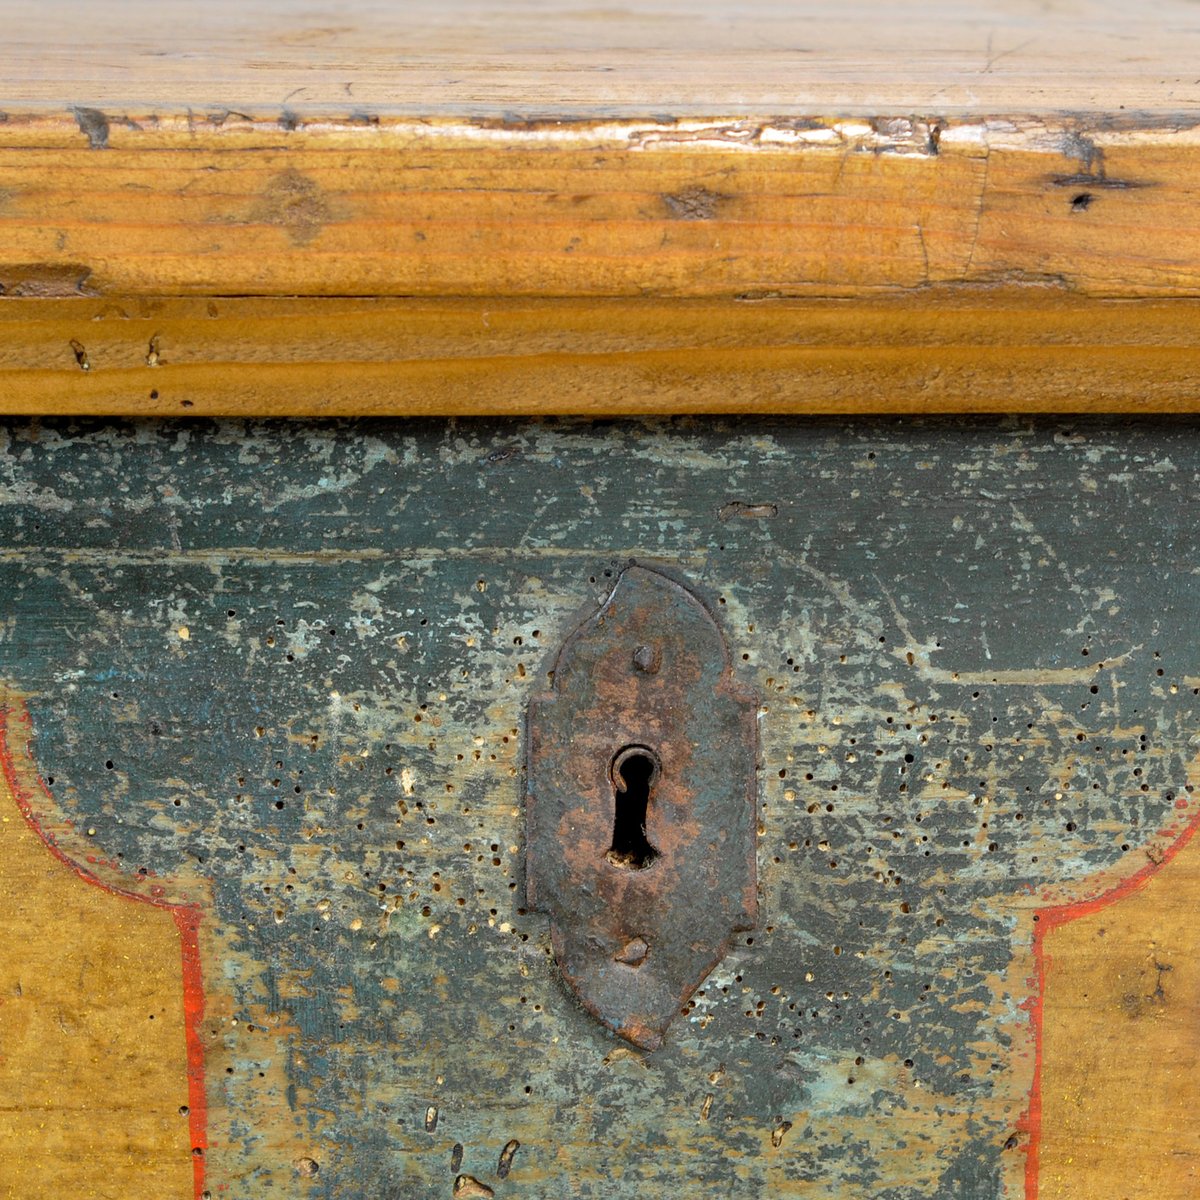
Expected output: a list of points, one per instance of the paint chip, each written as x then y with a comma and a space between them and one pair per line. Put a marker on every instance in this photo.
506, 1158
466, 1187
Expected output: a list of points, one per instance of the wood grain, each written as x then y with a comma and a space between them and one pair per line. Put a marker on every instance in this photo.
95, 1062
576, 57
1116, 1093
141, 202
1028, 349
1049, 160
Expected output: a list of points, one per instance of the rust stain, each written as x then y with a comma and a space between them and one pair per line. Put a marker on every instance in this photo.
641, 805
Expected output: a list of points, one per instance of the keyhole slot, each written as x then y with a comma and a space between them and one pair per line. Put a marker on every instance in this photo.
634, 772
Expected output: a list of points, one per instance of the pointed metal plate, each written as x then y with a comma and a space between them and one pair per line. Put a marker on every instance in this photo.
640, 805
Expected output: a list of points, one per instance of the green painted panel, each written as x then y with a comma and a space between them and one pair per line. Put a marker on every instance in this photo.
293, 660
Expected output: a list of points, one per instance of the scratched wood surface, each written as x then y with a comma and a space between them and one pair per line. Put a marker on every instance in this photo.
153, 202
1038, 159
579, 58
700, 150
1030, 349
275, 677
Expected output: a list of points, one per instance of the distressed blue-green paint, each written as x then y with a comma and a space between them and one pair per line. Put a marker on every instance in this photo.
337, 582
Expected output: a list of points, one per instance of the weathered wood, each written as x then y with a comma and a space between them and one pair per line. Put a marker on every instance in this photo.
576, 58
730, 157
1027, 349
1115, 1017
101, 1068
283, 666
804, 205
261, 918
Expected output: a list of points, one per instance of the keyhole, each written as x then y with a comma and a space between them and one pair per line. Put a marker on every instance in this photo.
634, 772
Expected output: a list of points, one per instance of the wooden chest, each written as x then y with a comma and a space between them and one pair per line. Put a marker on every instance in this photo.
421, 419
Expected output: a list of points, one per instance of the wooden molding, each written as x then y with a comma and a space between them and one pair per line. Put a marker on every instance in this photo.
966, 350
142, 203
882, 210
579, 59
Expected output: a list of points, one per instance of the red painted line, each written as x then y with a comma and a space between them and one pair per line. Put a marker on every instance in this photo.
14, 720
1033, 1118
188, 921
1053, 917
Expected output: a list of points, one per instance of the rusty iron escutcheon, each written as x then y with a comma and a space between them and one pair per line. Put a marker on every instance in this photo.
640, 804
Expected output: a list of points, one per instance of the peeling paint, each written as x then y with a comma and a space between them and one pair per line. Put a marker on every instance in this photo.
336, 749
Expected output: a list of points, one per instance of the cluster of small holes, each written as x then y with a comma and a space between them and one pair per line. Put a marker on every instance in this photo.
903, 789
907, 754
